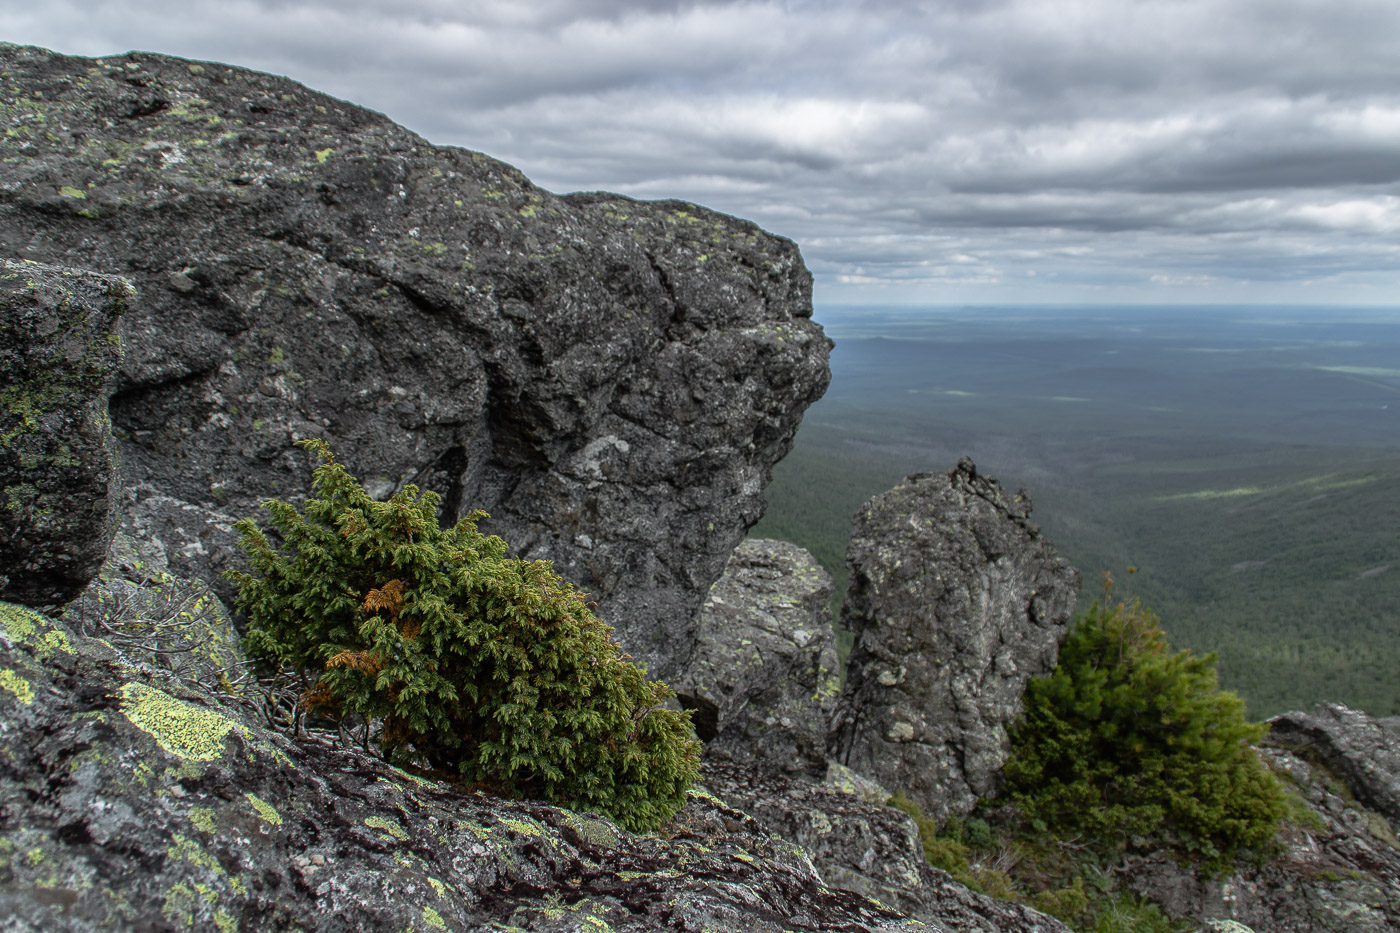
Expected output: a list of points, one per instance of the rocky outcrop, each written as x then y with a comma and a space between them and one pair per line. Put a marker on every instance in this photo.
612, 380
763, 677
1363, 752
860, 844
1338, 865
59, 354
132, 800
955, 602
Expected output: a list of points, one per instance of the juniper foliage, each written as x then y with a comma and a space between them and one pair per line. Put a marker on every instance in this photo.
1128, 739
487, 666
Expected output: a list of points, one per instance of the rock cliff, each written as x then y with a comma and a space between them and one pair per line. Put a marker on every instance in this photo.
612, 380
955, 601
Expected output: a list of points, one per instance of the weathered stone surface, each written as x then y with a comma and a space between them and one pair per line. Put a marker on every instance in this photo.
612, 380
1338, 870
158, 620
763, 677
130, 801
59, 354
860, 844
955, 601
1364, 752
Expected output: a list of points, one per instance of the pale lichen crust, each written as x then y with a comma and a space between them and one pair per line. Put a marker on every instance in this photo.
187, 731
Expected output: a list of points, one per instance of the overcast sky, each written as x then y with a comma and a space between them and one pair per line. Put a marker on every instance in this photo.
941, 152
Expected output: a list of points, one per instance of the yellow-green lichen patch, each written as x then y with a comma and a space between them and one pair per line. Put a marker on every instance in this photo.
522, 827
266, 811
203, 819
433, 919
68, 191
183, 729
17, 685
700, 793
27, 627
180, 904
185, 849
420, 781
386, 826
438, 887
597, 833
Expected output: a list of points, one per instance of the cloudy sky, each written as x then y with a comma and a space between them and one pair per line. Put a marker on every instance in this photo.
934, 152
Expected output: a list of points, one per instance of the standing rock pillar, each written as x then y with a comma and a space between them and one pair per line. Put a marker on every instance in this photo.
955, 601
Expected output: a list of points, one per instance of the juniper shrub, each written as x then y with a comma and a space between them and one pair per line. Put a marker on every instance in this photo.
487, 666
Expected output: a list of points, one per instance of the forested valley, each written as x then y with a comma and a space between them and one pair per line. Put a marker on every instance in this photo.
1236, 469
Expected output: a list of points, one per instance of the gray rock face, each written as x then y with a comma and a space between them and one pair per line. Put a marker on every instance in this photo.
1338, 869
131, 801
955, 601
860, 844
763, 677
59, 354
612, 380
1362, 751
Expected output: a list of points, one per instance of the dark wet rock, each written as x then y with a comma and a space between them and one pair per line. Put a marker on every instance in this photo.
860, 844
59, 354
612, 380
956, 601
763, 677
1338, 865
131, 801
1362, 751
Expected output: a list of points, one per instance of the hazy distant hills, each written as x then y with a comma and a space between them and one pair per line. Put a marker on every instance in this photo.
1247, 461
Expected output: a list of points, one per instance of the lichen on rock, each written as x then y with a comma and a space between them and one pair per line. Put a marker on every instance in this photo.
763, 677
612, 380
59, 353
955, 602
126, 806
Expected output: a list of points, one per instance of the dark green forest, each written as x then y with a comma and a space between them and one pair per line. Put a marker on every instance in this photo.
1233, 482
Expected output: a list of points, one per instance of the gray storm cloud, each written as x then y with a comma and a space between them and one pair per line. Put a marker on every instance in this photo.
932, 151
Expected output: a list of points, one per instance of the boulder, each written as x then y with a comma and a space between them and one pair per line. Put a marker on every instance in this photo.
763, 676
611, 380
59, 353
955, 602
134, 800
860, 844
1361, 751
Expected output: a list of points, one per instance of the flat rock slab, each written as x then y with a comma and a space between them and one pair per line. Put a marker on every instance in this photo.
131, 802
859, 843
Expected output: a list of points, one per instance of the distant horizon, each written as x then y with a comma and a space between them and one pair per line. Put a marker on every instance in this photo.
941, 307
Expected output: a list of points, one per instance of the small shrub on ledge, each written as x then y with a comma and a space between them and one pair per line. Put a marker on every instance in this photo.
1129, 740
485, 666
